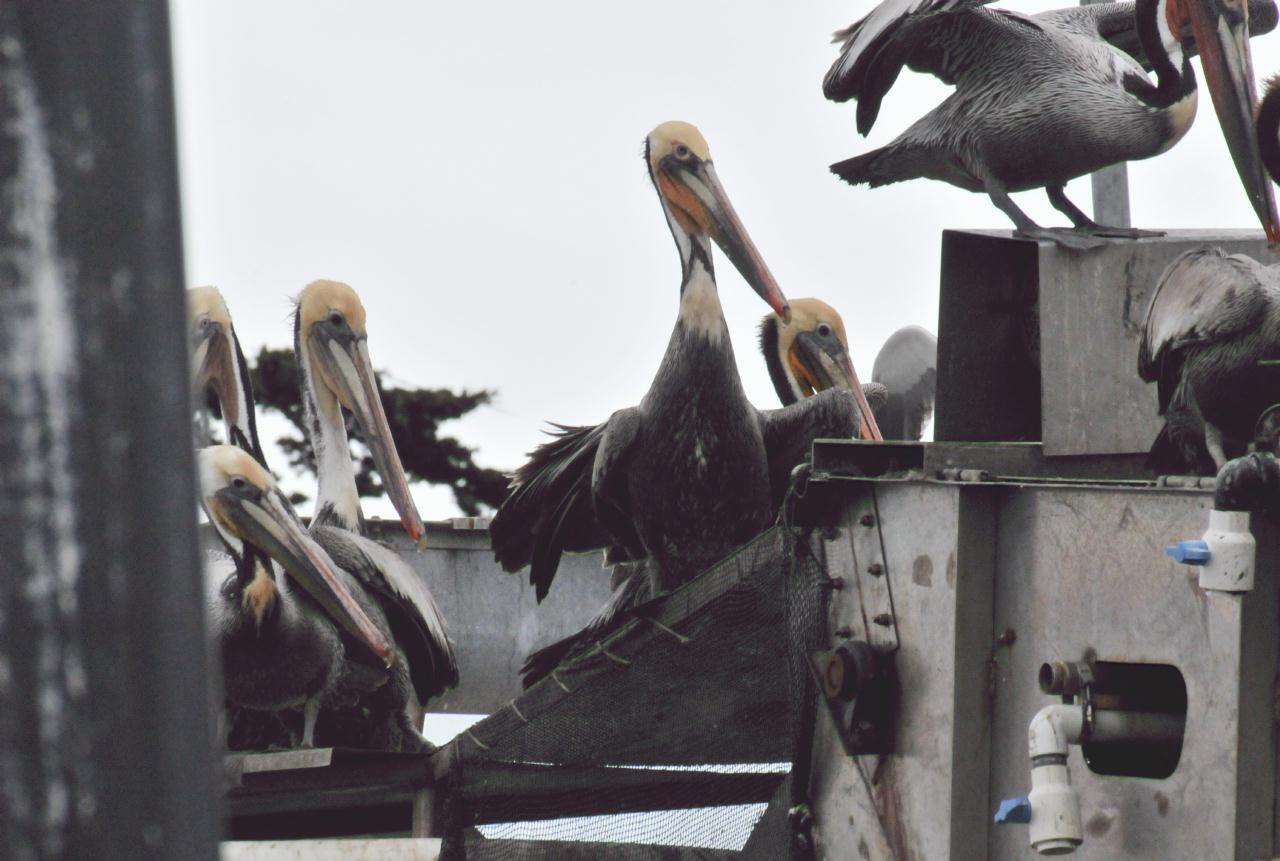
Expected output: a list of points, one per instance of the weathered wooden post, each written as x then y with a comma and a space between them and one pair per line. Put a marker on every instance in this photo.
105, 742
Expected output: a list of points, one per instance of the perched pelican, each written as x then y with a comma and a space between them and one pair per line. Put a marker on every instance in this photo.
282, 648
331, 343
218, 363
1211, 343
811, 354
907, 365
690, 473
1042, 99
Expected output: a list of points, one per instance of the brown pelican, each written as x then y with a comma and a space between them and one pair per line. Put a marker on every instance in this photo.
690, 473
907, 365
1211, 343
1042, 99
810, 354
331, 343
218, 363
282, 648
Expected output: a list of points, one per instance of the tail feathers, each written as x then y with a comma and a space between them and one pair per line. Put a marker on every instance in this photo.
539, 664
883, 166
634, 588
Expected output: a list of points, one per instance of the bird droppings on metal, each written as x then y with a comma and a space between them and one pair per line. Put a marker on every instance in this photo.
1099, 823
38, 371
922, 571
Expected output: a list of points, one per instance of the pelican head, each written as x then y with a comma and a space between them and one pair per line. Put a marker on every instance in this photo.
213, 362
249, 511
810, 354
696, 205
333, 339
1221, 32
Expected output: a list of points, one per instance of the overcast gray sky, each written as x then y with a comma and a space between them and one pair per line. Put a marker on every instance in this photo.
474, 170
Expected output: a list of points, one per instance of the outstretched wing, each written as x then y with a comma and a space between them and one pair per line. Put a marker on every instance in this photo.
946, 38
416, 621
551, 509
789, 432
1203, 296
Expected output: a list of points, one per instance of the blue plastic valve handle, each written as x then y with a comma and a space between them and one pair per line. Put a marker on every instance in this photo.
1014, 811
1193, 552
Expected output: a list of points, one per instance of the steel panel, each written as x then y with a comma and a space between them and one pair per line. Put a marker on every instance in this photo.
1082, 570
934, 555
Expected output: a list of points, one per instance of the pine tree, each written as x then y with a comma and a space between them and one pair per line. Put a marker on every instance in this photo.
414, 416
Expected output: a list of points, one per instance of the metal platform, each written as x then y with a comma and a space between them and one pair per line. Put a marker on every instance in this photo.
1038, 343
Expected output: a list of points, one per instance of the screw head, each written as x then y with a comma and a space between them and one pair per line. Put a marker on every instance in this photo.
867, 520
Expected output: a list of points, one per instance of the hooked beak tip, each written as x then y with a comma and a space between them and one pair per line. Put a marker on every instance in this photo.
786, 314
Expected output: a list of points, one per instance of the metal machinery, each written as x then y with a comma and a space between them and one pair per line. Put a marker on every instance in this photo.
999, 596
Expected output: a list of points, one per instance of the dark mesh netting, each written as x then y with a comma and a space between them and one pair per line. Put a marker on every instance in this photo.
671, 737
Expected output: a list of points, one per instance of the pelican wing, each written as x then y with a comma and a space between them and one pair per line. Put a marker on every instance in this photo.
945, 38
1203, 296
552, 508
789, 432
907, 365
416, 621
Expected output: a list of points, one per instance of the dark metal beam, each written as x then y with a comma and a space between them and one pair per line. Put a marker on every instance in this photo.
105, 740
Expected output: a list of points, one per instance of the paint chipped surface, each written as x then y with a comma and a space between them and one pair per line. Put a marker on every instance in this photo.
42, 680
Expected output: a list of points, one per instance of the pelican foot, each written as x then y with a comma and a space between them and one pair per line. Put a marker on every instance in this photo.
1073, 239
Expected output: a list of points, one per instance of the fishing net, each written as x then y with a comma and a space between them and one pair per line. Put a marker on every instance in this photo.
673, 736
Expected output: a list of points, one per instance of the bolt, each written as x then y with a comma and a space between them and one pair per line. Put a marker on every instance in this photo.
844, 632
884, 620
1008, 638
831, 533
876, 569
836, 583
867, 520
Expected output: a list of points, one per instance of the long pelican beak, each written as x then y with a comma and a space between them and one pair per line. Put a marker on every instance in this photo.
349, 372
1221, 31
825, 369
720, 220
214, 365
266, 523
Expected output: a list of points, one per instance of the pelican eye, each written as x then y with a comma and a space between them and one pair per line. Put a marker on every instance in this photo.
239, 482
682, 152
824, 331
335, 318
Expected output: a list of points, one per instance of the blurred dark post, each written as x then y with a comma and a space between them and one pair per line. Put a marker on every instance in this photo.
1110, 185
105, 740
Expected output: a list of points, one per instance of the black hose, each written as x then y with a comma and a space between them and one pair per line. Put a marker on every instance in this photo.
1248, 483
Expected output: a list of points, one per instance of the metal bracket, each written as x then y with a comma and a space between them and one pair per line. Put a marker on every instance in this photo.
860, 685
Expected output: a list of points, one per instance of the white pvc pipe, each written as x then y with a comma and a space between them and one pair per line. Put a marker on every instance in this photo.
1055, 804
